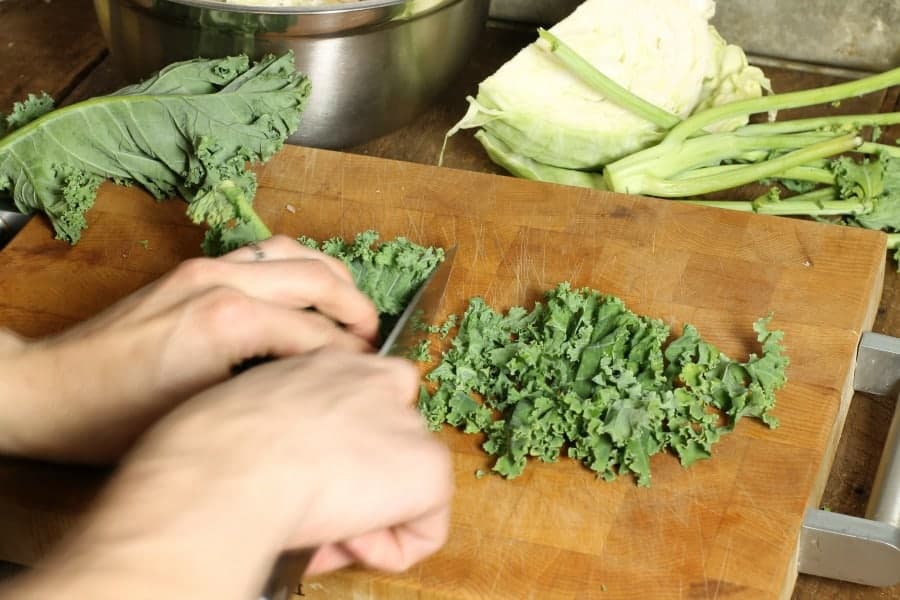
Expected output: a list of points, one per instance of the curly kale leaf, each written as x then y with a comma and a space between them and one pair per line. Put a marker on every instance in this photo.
188, 130
26, 111
388, 272
876, 185
582, 375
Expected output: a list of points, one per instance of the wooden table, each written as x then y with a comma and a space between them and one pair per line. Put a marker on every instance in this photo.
57, 47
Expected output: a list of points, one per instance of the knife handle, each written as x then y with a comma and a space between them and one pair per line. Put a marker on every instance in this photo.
287, 574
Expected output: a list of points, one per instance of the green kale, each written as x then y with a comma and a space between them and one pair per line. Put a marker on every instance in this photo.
582, 375
388, 272
23, 113
421, 352
188, 130
443, 329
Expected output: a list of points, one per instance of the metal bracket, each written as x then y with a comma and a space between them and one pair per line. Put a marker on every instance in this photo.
877, 365
849, 548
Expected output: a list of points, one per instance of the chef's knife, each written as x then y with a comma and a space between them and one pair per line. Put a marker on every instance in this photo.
423, 306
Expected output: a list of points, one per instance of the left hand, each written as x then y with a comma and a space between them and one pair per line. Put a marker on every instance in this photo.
87, 394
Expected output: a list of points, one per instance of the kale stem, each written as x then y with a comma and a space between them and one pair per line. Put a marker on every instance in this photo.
874, 148
245, 211
670, 188
611, 90
818, 203
800, 125
808, 173
801, 173
626, 176
751, 106
737, 205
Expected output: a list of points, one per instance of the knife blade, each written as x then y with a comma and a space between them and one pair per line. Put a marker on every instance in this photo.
422, 306
288, 571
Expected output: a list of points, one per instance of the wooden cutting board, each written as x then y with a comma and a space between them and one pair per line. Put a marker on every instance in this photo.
726, 527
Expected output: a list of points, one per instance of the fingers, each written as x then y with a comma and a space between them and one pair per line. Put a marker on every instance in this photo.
247, 327
290, 275
293, 282
394, 549
304, 283
282, 247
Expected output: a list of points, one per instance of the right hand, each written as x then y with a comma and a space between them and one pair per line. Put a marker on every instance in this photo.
87, 394
321, 450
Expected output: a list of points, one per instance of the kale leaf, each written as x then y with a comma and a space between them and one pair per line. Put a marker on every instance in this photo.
388, 272
189, 129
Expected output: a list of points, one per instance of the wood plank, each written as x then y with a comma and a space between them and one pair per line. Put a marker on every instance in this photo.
725, 525
46, 46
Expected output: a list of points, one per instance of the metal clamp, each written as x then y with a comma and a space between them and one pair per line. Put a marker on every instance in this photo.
865, 551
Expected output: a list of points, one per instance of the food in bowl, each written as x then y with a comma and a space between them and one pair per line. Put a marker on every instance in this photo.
287, 2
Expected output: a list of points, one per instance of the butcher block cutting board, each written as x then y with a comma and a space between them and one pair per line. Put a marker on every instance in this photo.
723, 528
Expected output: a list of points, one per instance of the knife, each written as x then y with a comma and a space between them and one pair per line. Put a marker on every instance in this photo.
290, 567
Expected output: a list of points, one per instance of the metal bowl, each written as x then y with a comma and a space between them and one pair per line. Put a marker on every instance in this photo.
374, 64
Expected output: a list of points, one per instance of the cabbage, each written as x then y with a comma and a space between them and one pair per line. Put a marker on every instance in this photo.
664, 51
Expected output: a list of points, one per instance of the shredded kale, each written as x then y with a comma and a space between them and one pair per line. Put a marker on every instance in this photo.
443, 329
421, 352
581, 375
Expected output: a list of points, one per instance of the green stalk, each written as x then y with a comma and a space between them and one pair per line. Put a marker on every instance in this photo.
611, 90
893, 241
875, 148
736, 205
818, 203
245, 210
808, 173
801, 173
800, 125
668, 188
831, 93
710, 149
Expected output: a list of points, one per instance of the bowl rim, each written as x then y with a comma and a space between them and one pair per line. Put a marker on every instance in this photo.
291, 10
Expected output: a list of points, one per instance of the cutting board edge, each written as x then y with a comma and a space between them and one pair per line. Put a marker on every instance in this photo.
827, 462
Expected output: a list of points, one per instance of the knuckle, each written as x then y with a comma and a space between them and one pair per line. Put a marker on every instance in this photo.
282, 244
194, 271
319, 272
403, 374
221, 308
340, 266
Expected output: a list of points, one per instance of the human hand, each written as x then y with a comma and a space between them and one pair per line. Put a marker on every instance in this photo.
87, 394
324, 449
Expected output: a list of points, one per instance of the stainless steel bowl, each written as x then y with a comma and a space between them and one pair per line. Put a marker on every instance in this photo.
374, 64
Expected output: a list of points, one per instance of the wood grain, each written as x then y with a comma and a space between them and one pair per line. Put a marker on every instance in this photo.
46, 47
728, 525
